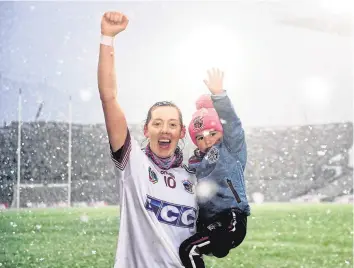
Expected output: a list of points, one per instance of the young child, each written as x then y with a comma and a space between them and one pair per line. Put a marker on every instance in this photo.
219, 163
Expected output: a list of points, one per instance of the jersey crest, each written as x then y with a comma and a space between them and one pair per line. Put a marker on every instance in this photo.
188, 186
152, 176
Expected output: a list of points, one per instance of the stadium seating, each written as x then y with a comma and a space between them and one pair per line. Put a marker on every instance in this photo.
284, 164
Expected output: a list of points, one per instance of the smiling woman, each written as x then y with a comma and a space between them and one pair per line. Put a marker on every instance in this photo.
163, 128
158, 204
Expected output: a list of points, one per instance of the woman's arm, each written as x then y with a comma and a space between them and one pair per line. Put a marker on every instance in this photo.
112, 23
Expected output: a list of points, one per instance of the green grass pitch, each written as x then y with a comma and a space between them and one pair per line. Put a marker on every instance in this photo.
279, 235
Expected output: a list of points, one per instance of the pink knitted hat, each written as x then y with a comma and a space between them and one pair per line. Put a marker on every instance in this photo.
205, 118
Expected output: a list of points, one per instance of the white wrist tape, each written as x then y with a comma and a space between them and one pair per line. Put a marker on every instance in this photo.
107, 40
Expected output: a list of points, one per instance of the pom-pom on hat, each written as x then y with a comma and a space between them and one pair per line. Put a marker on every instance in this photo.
205, 118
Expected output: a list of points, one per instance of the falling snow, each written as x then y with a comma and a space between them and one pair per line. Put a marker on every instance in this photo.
84, 218
223, 121
206, 133
205, 190
309, 163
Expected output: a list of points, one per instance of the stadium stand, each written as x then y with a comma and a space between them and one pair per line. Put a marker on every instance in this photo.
284, 164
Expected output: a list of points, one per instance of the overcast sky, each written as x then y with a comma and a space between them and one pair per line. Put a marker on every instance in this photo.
275, 74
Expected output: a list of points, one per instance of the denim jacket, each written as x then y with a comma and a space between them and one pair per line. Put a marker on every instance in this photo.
220, 172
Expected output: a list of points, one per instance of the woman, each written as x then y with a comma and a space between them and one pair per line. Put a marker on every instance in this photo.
157, 200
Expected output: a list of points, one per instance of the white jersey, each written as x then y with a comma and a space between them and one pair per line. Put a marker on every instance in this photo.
157, 210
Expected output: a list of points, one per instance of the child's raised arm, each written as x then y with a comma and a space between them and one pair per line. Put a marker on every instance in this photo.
234, 136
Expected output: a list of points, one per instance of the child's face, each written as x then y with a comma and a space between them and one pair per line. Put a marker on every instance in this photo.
208, 138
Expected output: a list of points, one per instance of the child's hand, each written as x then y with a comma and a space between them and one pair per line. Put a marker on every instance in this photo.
215, 82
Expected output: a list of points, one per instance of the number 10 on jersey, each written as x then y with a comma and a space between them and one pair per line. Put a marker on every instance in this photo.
170, 181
